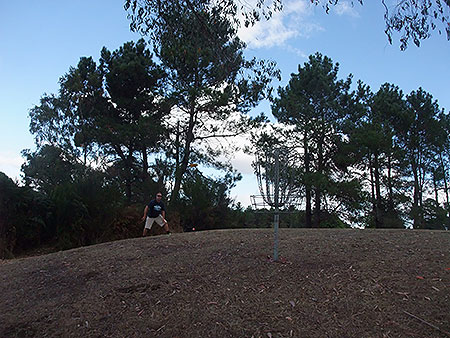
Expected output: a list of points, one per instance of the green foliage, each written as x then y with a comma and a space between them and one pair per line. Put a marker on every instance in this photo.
205, 203
134, 85
332, 220
49, 167
23, 214
8, 192
363, 153
318, 105
372, 139
80, 203
357, 156
210, 83
84, 211
146, 15
415, 20
110, 112
434, 217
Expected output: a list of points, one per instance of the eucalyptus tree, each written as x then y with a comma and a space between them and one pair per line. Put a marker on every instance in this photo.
318, 104
415, 20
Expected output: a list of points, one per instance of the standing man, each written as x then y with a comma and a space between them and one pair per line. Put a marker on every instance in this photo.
155, 212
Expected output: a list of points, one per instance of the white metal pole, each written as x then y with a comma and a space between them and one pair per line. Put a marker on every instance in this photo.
276, 217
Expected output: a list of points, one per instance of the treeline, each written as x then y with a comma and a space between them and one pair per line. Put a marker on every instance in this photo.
134, 123
375, 159
89, 207
144, 116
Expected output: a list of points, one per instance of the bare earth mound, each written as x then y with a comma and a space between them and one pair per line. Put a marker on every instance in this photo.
328, 283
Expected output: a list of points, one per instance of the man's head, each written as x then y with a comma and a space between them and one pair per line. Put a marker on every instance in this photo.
158, 196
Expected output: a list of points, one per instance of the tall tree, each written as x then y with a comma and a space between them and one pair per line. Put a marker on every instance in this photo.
131, 122
289, 108
211, 84
62, 120
416, 131
316, 102
372, 134
387, 104
438, 169
444, 156
114, 108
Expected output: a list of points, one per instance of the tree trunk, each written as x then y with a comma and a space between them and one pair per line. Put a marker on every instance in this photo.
144, 164
128, 179
390, 189
445, 178
317, 190
308, 213
183, 164
378, 203
127, 163
372, 189
436, 192
415, 208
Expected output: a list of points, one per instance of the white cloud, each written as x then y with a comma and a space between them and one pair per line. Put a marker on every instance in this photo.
242, 162
346, 8
267, 33
287, 24
293, 21
296, 51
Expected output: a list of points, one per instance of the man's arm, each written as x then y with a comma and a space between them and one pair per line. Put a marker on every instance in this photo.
145, 213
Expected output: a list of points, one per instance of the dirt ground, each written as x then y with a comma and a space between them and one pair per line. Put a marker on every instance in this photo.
327, 283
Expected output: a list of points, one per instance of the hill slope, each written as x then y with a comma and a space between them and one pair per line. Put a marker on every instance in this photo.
335, 283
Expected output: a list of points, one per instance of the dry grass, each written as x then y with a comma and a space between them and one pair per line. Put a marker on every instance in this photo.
328, 283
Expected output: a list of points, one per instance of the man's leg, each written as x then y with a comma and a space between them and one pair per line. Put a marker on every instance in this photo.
148, 226
166, 226
163, 223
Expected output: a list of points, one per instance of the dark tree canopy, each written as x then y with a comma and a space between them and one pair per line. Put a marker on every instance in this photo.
210, 83
112, 111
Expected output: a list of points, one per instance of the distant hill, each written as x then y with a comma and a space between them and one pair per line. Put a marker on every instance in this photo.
328, 283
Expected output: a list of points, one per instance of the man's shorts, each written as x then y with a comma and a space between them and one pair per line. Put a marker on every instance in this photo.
149, 221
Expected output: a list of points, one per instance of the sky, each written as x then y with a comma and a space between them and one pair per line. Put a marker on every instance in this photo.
40, 40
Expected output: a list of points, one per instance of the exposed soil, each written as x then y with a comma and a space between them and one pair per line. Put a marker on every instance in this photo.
327, 283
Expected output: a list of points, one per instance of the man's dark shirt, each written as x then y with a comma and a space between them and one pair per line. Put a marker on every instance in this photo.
155, 208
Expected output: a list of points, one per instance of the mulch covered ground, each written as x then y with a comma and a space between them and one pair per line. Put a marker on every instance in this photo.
327, 283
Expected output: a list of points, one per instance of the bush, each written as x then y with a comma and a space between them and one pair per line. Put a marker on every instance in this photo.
23, 215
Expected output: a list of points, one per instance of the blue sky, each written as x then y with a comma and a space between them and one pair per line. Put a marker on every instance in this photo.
41, 40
